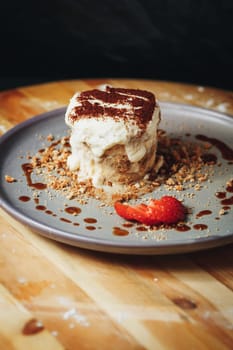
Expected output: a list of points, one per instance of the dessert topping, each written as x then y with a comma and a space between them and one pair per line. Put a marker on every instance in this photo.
116, 103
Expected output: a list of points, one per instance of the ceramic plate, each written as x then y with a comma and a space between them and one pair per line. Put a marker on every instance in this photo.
54, 222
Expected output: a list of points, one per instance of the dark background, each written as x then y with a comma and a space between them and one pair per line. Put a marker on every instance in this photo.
188, 41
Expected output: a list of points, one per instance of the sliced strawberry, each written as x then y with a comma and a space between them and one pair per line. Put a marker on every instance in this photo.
167, 210
129, 212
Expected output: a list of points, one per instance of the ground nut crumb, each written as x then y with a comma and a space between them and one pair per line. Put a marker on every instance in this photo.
197, 187
183, 168
50, 137
229, 183
178, 187
222, 211
10, 179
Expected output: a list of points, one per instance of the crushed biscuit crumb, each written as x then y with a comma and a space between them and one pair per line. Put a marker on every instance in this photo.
222, 211
10, 179
183, 168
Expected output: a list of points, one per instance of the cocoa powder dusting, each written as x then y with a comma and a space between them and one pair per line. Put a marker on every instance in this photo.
139, 105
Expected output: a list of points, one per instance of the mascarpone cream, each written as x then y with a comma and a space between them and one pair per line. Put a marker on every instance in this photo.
114, 134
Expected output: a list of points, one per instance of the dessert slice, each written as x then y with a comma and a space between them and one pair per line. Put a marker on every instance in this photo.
114, 135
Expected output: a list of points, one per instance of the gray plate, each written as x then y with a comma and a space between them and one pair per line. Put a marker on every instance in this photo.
178, 120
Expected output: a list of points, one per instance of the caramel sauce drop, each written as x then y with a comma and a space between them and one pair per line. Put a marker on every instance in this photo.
203, 213
73, 210
66, 220
117, 231
24, 198
91, 228
90, 220
220, 195
33, 326
141, 228
128, 224
49, 212
200, 227
227, 201
182, 228
41, 207
226, 207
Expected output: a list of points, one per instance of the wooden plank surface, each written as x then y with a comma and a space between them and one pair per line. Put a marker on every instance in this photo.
57, 297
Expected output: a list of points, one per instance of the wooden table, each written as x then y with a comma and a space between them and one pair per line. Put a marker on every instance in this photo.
54, 296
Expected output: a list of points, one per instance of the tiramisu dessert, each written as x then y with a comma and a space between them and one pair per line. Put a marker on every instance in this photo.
114, 135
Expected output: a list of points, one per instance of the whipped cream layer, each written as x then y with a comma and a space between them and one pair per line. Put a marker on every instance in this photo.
114, 134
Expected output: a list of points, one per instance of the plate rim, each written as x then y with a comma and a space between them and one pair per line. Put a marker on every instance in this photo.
103, 244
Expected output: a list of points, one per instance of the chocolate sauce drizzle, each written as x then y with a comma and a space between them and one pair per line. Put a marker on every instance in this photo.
122, 96
226, 151
28, 169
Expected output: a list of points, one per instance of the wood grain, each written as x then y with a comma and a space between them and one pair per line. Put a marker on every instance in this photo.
91, 300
